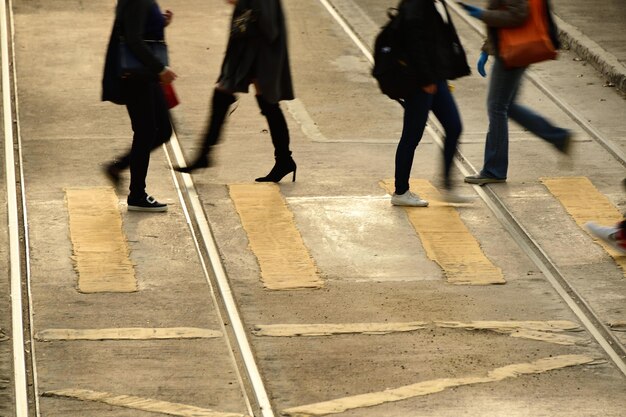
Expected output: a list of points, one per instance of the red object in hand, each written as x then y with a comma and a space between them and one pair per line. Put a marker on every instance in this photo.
170, 95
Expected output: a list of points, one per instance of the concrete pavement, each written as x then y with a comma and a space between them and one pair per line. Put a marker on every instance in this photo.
597, 33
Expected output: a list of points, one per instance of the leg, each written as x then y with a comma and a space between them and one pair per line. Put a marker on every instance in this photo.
164, 133
140, 106
221, 101
540, 126
446, 111
502, 89
162, 114
416, 110
279, 133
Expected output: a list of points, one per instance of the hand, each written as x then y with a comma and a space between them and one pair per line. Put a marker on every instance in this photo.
473, 11
167, 76
168, 16
430, 88
480, 65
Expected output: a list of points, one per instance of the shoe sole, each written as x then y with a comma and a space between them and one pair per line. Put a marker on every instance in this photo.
484, 181
598, 236
409, 205
147, 209
458, 200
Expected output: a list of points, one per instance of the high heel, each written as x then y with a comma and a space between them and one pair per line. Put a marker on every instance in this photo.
201, 161
282, 167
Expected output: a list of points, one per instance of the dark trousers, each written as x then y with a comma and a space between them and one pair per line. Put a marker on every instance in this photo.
150, 120
416, 109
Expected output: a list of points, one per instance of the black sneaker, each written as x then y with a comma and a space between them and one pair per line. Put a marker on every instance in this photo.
145, 203
112, 172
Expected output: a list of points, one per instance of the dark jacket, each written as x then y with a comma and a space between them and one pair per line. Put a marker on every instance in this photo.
135, 21
511, 13
433, 47
262, 56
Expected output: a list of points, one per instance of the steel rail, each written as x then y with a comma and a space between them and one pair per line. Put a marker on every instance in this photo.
589, 319
195, 215
15, 257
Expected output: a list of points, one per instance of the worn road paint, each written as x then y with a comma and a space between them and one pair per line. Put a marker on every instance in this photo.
544, 331
49, 335
508, 326
341, 405
289, 330
582, 200
284, 260
100, 249
446, 239
618, 326
139, 403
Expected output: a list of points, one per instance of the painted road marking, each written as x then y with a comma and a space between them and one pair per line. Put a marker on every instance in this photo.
291, 330
139, 403
284, 260
126, 334
543, 331
446, 239
341, 405
582, 200
100, 249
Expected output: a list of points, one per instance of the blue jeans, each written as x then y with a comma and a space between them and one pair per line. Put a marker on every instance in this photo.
416, 109
503, 87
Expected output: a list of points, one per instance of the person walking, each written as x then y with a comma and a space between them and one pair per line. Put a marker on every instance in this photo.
256, 54
504, 85
435, 53
138, 22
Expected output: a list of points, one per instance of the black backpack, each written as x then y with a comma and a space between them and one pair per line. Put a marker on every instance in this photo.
395, 77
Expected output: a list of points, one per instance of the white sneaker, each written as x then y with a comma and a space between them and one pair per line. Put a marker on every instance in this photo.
608, 235
408, 199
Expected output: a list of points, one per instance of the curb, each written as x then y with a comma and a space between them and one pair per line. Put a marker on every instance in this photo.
590, 51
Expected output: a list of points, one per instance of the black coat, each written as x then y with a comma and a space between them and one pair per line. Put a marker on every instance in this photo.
262, 56
133, 23
433, 47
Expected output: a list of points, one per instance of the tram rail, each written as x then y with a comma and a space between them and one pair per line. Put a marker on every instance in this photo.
24, 369
232, 325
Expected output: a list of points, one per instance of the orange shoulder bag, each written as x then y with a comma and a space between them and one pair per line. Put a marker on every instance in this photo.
529, 43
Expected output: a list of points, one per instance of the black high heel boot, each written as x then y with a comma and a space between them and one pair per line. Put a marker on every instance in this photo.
282, 167
280, 139
220, 103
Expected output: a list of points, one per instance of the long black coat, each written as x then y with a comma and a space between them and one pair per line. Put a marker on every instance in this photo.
133, 23
433, 47
263, 56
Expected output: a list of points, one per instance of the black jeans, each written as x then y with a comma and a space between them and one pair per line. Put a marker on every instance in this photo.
150, 120
416, 109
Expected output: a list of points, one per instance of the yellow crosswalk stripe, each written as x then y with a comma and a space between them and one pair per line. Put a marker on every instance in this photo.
100, 248
284, 260
584, 202
446, 239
